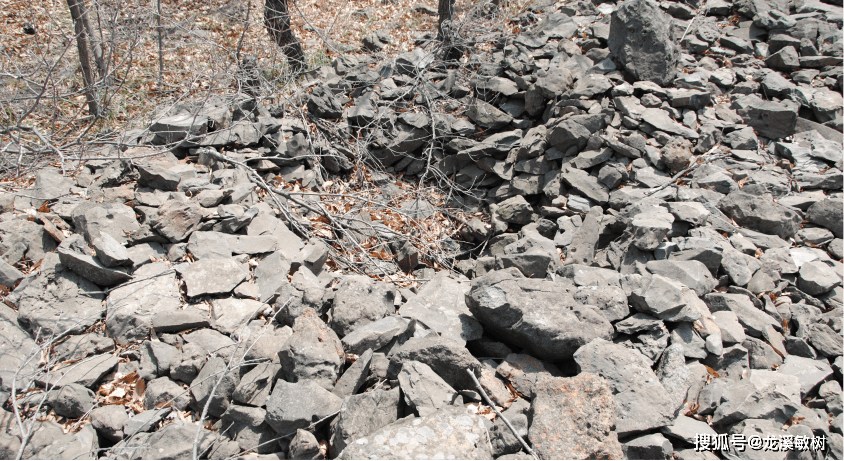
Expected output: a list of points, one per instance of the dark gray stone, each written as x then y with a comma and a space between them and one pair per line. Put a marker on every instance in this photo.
294, 406
642, 41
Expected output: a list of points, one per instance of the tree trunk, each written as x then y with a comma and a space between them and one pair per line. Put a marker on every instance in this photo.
96, 46
445, 8
277, 21
84, 60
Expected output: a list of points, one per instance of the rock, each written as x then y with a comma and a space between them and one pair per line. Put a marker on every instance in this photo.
72, 401
176, 219
770, 119
674, 375
743, 400
246, 426
486, 115
441, 305
515, 210
358, 301
110, 252
447, 358
81, 346
165, 392
693, 274
108, 421
810, 373
816, 278
86, 266
212, 277
214, 386
297, 405
255, 386
649, 229
662, 121
361, 415
760, 213
641, 40
424, 391
92, 219
687, 429
56, 300
502, 438
230, 314
133, 306
323, 104
86, 372
573, 418
539, 315
651, 446
827, 213
752, 319
374, 335
156, 359
585, 184
313, 352
641, 402
665, 299
523, 372
173, 441
449, 433
304, 445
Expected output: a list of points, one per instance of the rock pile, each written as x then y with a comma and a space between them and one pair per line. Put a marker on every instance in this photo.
660, 262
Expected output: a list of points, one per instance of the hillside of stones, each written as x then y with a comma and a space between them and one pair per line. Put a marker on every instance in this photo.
648, 254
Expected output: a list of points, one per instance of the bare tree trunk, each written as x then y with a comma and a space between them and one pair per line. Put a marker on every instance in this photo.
76, 8
445, 8
96, 47
277, 21
160, 47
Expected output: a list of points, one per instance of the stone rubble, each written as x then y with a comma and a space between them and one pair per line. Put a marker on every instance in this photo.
655, 257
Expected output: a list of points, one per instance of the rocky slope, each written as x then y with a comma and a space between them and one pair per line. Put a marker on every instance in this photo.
650, 260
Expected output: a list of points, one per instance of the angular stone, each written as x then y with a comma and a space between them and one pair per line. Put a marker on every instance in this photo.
536, 314
641, 40
665, 299
573, 418
441, 305
358, 301
176, 219
212, 277
298, 405
424, 391
133, 306
313, 352
451, 433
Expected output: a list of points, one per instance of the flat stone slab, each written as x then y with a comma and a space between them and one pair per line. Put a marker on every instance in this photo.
441, 305
208, 277
86, 372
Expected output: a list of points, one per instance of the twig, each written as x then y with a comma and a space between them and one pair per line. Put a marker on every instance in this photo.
700, 161
492, 405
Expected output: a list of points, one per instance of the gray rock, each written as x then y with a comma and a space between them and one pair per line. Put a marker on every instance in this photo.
110, 252
361, 415
304, 445
156, 359
165, 392
441, 305
641, 402
256, 384
87, 372
502, 438
80, 445
9, 275
486, 115
173, 321
666, 299
176, 219
585, 239
687, 429
574, 418
752, 319
91, 220
524, 372
760, 213
641, 40
214, 375
649, 229
744, 400
424, 391
816, 278
585, 184
133, 306
294, 406
827, 213
662, 121
515, 210
611, 301
693, 274
674, 375
770, 119
810, 373
449, 433
374, 335
81, 346
72, 401
354, 377
447, 358
57, 300
230, 314
358, 301
212, 277
108, 421
246, 426
539, 315
86, 266
651, 446
313, 352
323, 104
173, 441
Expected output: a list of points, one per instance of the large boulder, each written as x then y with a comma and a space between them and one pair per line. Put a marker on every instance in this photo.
761, 213
641, 40
539, 315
